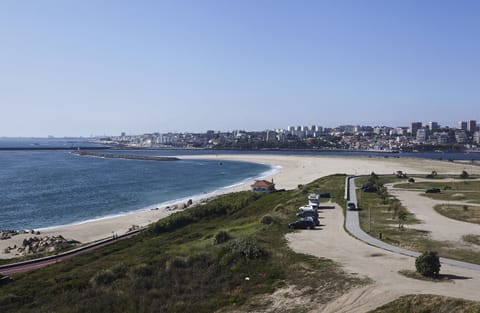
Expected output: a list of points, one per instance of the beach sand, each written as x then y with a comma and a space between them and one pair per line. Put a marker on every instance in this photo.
293, 170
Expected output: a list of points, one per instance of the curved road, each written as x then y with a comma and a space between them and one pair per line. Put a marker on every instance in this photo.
352, 224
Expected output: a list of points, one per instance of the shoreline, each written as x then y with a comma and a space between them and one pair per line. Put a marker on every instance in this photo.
287, 171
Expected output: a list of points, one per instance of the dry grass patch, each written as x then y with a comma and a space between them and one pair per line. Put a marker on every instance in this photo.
465, 213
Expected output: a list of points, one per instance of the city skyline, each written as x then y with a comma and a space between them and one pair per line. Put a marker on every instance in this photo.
89, 68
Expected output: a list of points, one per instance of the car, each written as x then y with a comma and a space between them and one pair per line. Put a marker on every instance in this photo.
351, 206
311, 214
369, 187
303, 223
325, 195
432, 190
307, 208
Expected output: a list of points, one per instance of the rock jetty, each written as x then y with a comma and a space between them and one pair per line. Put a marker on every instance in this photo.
35, 245
125, 156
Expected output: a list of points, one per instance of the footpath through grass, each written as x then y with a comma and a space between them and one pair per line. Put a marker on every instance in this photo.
384, 217
217, 256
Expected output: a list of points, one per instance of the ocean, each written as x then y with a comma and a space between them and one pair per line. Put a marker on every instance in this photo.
40, 189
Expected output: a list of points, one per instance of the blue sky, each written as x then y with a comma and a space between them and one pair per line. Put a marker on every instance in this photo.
71, 68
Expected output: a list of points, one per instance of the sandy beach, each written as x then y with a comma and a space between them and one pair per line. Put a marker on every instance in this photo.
292, 171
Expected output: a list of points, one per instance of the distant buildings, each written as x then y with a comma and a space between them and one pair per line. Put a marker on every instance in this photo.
462, 125
414, 127
471, 126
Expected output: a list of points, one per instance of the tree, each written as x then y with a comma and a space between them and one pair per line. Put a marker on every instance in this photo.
411, 180
402, 217
428, 264
464, 175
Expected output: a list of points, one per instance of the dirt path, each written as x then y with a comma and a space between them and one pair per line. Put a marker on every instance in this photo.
440, 227
381, 266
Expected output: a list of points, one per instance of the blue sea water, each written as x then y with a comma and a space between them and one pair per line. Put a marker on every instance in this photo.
47, 188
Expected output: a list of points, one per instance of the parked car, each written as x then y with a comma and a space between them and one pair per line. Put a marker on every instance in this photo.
369, 187
432, 190
307, 208
311, 214
351, 206
325, 195
303, 223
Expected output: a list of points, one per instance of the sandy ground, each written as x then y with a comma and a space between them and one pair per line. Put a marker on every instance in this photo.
358, 258
440, 227
293, 170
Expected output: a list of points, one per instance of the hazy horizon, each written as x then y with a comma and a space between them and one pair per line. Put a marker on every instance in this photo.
102, 68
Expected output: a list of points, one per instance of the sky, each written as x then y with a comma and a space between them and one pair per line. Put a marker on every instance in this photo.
99, 67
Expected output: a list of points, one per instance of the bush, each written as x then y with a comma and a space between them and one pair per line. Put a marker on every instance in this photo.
221, 237
411, 180
267, 220
106, 277
428, 264
246, 247
464, 175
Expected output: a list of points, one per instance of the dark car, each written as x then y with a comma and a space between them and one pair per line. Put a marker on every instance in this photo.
303, 223
369, 187
432, 190
312, 214
325, 195
351, 206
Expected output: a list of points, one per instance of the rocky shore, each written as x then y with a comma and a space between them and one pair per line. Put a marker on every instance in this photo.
34, 245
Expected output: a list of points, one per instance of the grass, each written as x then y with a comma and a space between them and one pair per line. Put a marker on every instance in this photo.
176, 266
459, 185
473, 239
464, 213
385, 221
429, 304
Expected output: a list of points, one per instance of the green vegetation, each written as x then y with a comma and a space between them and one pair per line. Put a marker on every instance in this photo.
458, 185
428, 264
216, 256
429, 304
382, 215
473, 239
465, 213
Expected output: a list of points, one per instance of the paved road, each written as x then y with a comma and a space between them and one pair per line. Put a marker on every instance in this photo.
29, 265
352, 224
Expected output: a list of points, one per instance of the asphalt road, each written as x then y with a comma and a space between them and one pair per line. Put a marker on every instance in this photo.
352, 224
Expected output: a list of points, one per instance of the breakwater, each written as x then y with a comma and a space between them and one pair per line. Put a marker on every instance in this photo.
125, 156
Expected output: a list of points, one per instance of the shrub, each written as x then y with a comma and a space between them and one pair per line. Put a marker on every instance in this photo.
221, 237
106, 277
464, 174
428, 264
267, 220
246, 247
447, 187
411, 180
